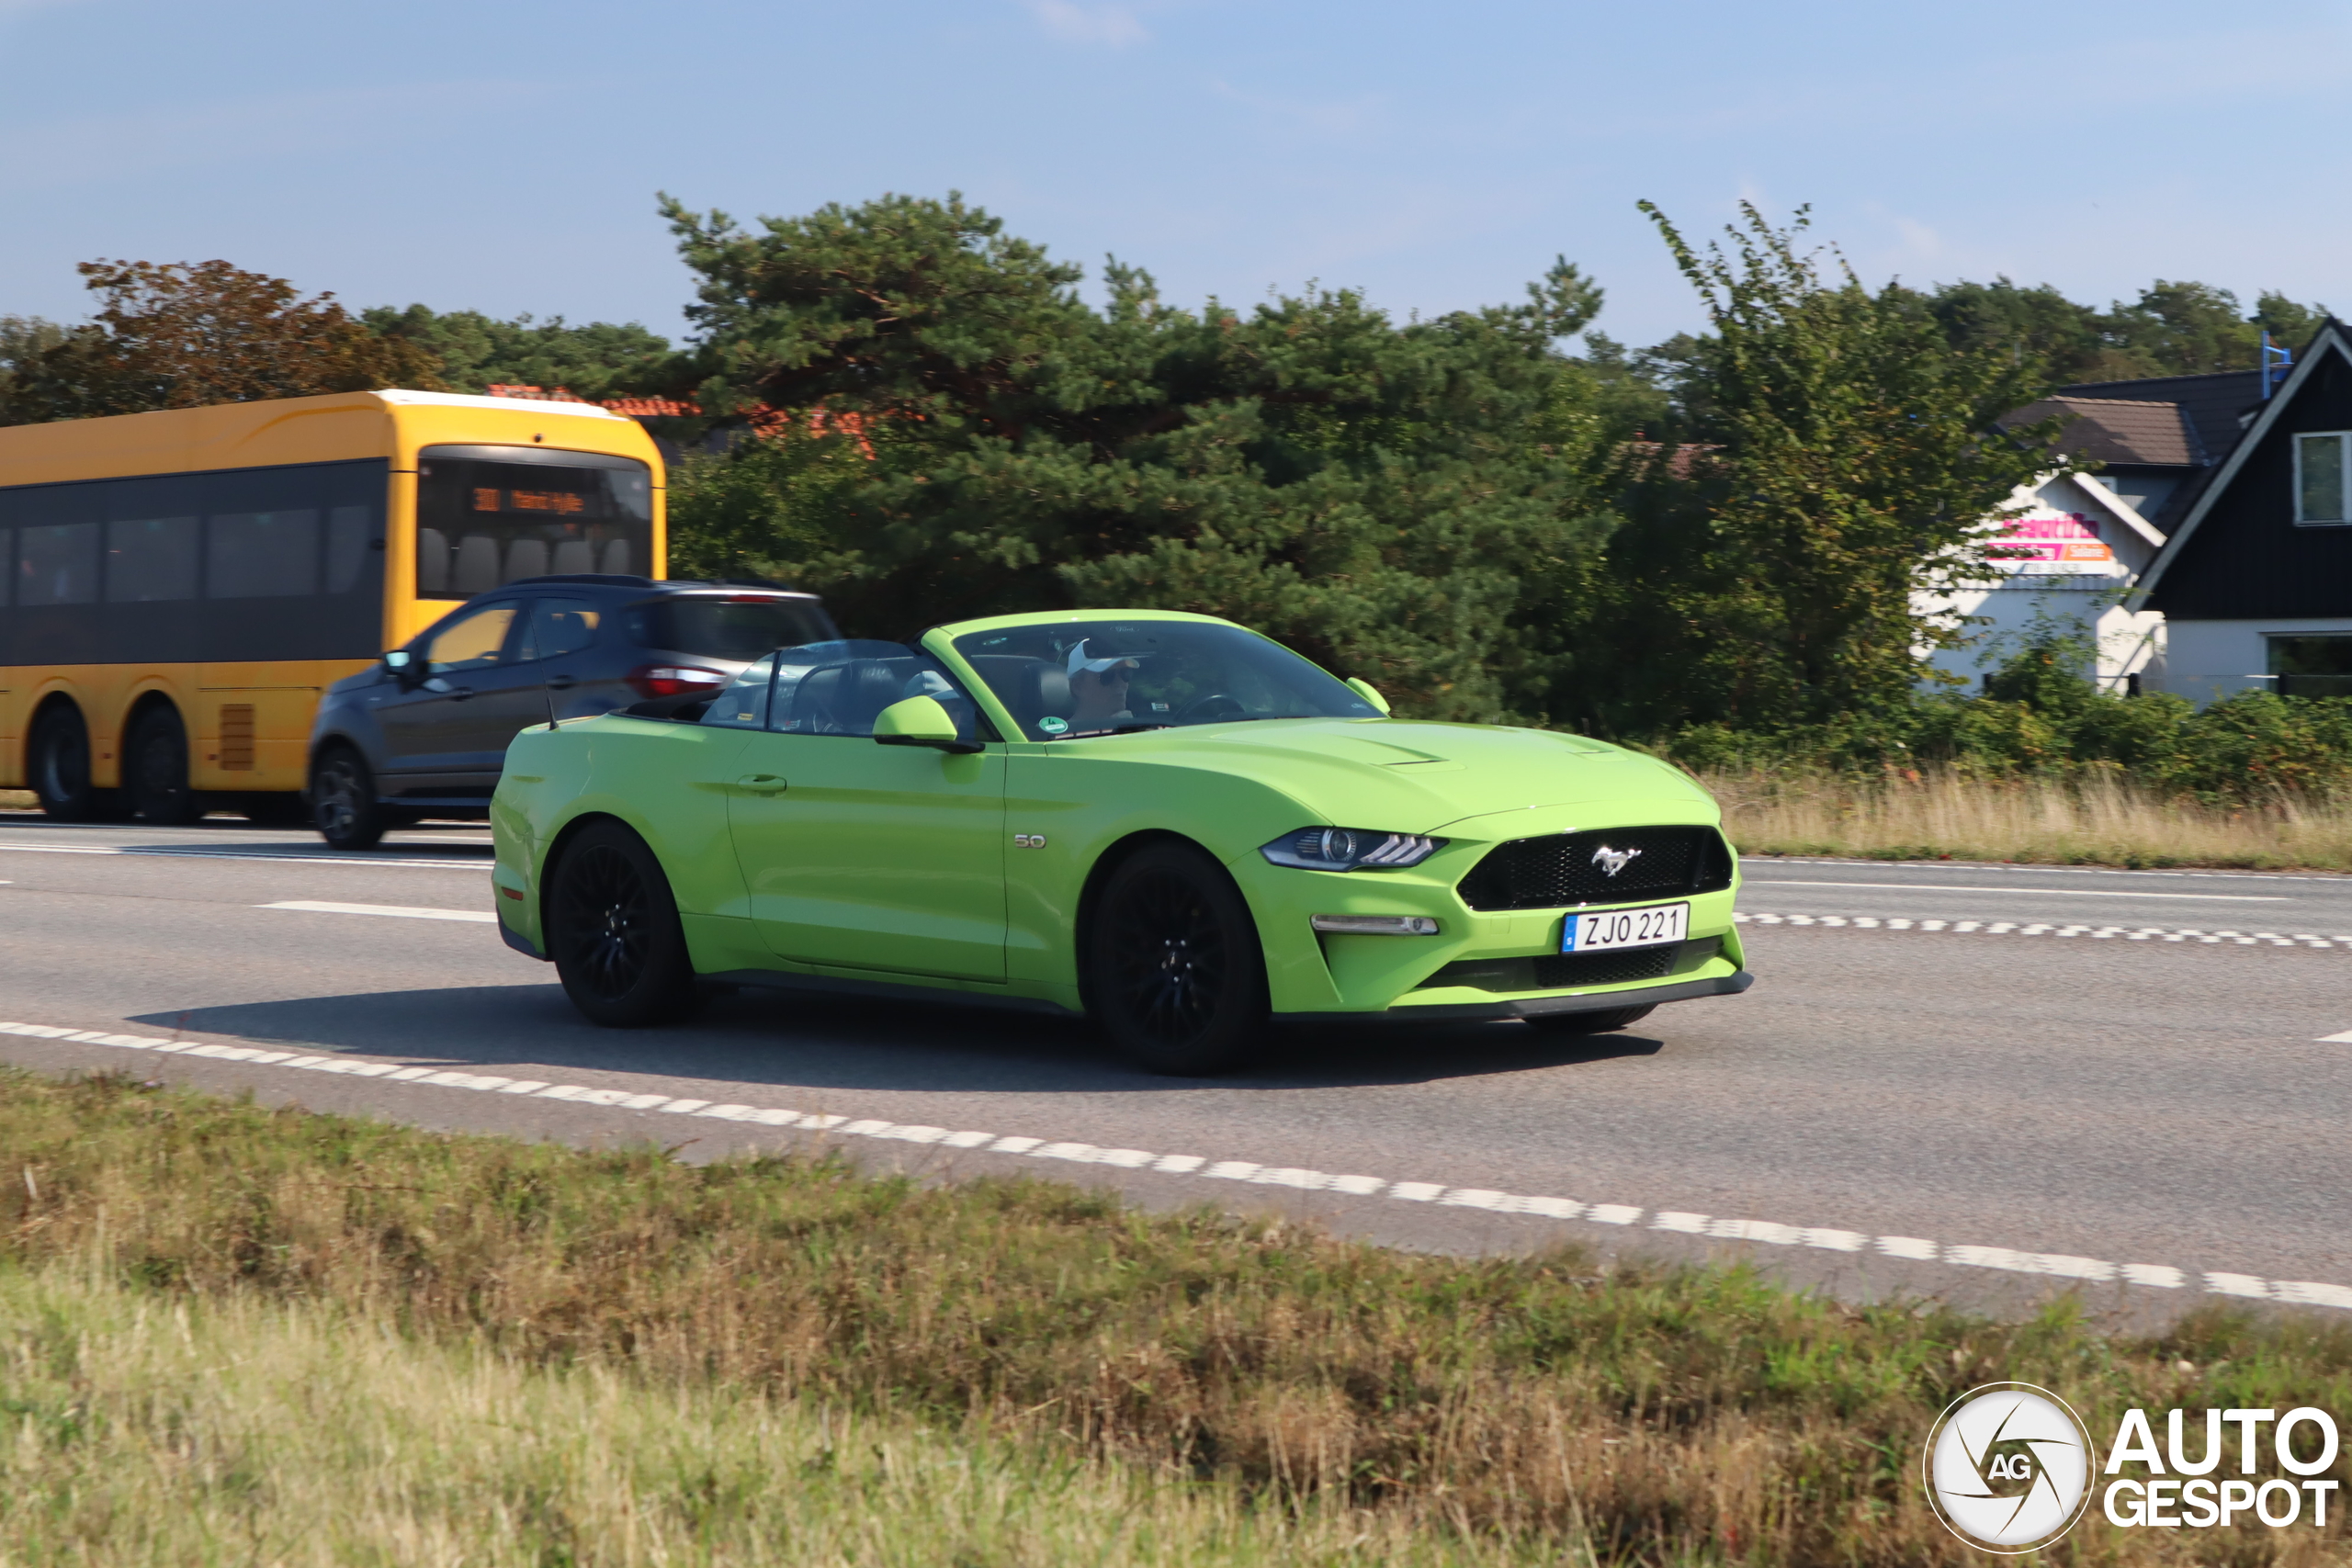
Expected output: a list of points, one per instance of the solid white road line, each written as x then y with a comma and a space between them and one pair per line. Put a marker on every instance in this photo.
306, 857
2049, 928
2010, 892
2342, 1039
318, 906
2058, 1266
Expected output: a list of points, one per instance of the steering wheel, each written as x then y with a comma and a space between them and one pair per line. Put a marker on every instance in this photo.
1211, 706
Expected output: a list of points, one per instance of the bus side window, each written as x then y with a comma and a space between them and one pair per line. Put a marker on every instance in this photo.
151, 560
348, 530
262, 555
59, 564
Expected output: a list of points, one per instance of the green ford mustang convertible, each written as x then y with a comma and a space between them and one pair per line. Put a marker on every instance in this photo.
1162, 820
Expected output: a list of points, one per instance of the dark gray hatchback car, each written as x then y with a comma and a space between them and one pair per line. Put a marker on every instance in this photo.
425, 732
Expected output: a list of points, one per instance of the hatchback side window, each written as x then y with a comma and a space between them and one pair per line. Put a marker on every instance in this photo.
557, 627
473, 641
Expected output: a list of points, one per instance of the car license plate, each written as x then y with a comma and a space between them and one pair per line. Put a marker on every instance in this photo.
1652, 927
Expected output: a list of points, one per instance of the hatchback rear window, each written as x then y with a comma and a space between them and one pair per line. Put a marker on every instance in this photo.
727, 627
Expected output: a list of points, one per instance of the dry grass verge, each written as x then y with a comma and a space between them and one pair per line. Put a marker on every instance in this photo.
145, 1430
1516, 1407
2101, 821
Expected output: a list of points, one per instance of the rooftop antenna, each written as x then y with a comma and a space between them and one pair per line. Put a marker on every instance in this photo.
2276, 360
548, 692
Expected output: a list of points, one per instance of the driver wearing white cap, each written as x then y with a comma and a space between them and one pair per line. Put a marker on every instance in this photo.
1098, 688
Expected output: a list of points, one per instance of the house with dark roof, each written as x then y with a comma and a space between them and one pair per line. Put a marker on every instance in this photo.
2072, 544
2105, 552
2255, 579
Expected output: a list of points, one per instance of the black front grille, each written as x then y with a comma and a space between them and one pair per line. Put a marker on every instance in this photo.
1560, 970
1566, 971
1568, 869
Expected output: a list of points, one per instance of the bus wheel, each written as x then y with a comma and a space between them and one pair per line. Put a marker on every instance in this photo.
343, 800
61, 764
154, 770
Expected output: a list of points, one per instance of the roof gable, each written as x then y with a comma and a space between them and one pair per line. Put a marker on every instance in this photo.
2331, 339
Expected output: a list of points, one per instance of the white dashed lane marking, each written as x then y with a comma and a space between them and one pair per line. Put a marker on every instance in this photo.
399, 911
2011, 892
1769, 1233
2052, 928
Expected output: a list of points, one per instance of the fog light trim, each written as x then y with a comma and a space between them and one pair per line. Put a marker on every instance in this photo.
1375, 925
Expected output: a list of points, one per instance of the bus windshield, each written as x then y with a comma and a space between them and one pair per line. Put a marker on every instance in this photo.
487, 516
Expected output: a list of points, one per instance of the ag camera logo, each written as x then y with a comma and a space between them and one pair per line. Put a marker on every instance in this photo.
2008, 1467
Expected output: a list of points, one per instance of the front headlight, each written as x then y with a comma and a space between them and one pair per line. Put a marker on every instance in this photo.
1349, 849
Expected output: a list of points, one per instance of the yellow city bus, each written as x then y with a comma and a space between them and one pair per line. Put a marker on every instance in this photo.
179, 587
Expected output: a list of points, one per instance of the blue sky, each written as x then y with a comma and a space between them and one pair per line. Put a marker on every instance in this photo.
504, 154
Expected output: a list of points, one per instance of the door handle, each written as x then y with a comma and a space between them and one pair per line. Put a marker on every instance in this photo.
562, 682
760, 784
459, 693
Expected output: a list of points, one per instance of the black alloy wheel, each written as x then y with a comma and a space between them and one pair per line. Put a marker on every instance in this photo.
1174, 973
343, 800
154, 770
1589, 1022
61, 765
613, 931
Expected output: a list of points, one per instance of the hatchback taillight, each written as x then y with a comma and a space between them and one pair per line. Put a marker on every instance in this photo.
674, 681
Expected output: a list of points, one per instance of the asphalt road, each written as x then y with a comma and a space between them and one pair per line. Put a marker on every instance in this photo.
1984, 1082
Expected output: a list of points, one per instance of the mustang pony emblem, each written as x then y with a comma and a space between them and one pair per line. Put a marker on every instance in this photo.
1611, 861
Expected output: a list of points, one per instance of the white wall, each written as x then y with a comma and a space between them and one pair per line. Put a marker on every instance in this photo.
2018, 598
2205, 660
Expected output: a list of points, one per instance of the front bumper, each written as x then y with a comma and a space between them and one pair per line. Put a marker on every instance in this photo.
1530, 1006
1472, 967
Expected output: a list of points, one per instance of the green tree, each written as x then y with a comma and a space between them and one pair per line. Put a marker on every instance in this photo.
1390, 499
185, 334
2288, 323
2037, 326
1841, 462
2183, 328
598, 360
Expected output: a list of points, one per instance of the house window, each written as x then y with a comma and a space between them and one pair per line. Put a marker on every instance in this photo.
2320, 486
2312, 666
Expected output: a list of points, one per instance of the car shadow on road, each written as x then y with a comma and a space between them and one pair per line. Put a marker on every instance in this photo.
820, 1041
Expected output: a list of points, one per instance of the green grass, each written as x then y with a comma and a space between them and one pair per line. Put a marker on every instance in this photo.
298, 1338
2097, 820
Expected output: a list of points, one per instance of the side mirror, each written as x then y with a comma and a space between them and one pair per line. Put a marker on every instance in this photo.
920, 721
1365, 690
401, 666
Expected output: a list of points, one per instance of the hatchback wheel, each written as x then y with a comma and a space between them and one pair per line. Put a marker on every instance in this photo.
154, 770
1174, 970
343, 800
613, 931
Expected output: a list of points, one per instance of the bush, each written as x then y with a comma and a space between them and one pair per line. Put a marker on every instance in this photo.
2038, 719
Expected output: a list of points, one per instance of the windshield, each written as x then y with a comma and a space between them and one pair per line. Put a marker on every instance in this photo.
487, 516
1109, 677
